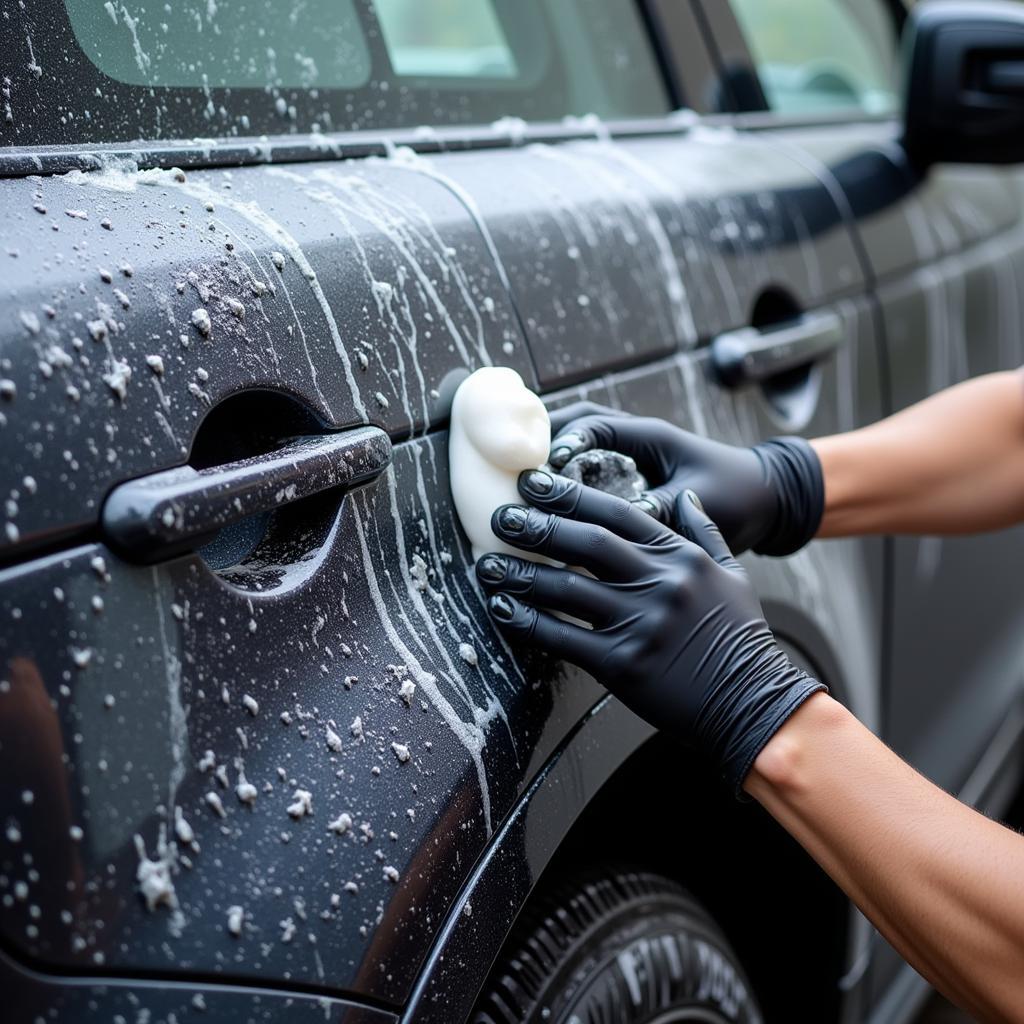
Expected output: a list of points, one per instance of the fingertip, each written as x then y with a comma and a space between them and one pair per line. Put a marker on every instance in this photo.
502, 607
536, 483
509, 520
564, 447
689, 507
698, 527
491, 569
648, 505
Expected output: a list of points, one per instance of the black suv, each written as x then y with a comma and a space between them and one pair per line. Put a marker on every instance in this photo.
261, 755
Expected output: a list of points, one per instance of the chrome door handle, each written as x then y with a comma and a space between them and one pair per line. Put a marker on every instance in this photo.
159, 516
749, 355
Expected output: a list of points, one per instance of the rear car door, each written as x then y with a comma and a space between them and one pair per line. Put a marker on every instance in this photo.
945, 254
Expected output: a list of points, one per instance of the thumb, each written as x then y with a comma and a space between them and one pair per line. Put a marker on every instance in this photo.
697, 526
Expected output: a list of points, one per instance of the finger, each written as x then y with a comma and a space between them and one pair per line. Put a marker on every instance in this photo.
645, 440
697, 526
595, 548
574, 500
524, 624
561, 418
659, 503
560, 590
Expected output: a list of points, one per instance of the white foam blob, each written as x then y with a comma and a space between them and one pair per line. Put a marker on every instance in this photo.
498, 428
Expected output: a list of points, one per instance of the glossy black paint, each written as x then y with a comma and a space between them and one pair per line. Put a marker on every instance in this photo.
34, 997
89, 304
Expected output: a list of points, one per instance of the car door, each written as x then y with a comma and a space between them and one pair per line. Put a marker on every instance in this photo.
264, 712
945, 258
628, 259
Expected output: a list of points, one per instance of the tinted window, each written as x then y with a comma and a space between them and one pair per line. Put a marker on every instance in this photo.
818, 56
166, 69
248, 43
461, 39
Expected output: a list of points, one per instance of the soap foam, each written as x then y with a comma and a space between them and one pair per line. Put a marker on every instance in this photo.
498, 429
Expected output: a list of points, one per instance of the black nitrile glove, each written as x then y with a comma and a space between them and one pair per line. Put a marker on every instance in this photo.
769, 498
678, 633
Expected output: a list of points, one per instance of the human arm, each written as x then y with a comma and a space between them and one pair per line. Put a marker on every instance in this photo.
678, 635
941, 882
953, 463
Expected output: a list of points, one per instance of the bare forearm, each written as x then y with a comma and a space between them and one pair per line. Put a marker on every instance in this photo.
953, 463
941, 882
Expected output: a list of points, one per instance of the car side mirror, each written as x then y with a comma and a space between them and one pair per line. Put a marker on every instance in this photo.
964, 82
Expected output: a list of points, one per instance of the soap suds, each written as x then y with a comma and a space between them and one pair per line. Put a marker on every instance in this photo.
498, 429
333, 739
302, 804
341, 824
606, 471
154, 876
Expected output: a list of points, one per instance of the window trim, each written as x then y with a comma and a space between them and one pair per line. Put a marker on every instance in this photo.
21, 161
692, 72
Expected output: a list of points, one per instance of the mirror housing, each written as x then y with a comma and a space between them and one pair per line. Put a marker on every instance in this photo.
964, 82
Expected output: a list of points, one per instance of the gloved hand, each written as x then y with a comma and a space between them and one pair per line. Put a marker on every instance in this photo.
769, 498
678, 634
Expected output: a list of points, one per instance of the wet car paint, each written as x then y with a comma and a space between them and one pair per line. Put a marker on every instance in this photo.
386, 596
382, 590
94, 306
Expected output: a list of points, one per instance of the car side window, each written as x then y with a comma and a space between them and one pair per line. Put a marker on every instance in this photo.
149, 69
823, 56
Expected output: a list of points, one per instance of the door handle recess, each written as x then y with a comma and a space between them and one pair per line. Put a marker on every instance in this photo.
749, 355
159, 516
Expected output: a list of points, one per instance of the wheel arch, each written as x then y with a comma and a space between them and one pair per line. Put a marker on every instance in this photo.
596, 798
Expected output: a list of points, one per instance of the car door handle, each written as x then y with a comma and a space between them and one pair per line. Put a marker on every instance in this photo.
160, 516
750, 355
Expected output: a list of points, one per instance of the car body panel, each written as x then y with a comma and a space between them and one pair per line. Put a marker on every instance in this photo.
385, 287
120, 770
716, 218
98, 1001
129, 694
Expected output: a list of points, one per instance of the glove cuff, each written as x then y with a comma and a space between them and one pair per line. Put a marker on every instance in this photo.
737, 767
793, 471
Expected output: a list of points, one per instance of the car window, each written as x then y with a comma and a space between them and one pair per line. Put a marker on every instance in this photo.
822, 56
248, 43
155, 70
460, 39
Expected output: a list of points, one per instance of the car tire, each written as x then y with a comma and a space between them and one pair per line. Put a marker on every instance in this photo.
621, 948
